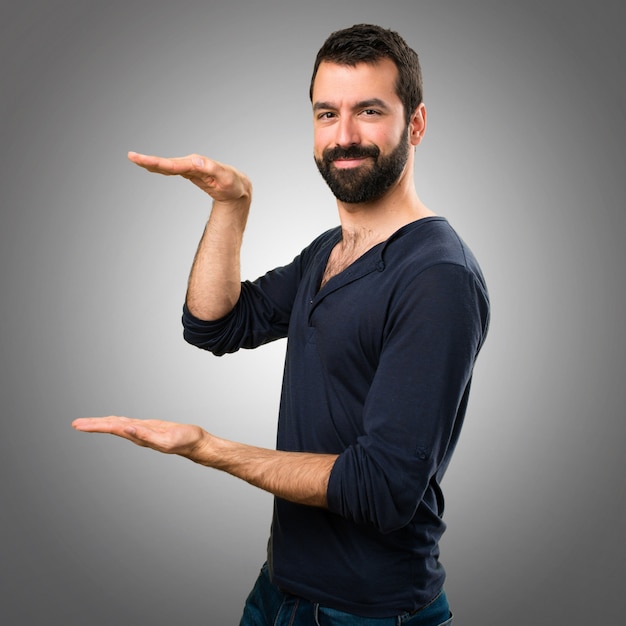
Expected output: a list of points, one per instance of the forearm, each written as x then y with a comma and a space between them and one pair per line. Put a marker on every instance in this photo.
296, 476
215, 278
299, 477
214, 282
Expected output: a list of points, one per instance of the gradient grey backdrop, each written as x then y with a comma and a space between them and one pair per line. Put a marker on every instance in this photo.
524, 154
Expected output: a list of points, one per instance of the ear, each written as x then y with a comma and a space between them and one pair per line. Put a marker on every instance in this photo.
417, 125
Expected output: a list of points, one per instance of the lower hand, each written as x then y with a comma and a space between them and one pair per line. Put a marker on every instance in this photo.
168, 437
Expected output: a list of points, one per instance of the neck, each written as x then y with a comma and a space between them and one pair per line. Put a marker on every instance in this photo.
377, 220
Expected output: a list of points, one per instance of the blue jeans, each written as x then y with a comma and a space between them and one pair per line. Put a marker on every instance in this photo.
269, 606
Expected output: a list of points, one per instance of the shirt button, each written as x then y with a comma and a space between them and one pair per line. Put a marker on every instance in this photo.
381, 266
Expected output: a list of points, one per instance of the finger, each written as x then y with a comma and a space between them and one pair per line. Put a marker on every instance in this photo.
112, 424
122, 427
190, 166
156, 164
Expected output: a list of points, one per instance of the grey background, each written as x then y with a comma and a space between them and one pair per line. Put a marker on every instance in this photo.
524, 154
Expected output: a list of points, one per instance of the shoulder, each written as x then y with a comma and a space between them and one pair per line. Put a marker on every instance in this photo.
433, 270
428, 243
429, 239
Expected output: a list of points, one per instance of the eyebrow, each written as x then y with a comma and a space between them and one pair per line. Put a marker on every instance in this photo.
363, 104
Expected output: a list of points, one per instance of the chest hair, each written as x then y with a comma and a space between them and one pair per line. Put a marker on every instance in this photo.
346, 252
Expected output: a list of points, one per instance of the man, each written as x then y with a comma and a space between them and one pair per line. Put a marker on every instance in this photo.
384, 316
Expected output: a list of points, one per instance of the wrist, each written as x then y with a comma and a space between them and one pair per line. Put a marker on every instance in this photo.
202, 452
239, 207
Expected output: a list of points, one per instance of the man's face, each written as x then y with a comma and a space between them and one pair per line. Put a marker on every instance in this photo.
361, 143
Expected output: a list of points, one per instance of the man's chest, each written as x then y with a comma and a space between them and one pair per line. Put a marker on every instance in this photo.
343, 255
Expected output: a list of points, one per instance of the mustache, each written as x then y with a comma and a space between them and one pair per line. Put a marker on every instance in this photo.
351, 152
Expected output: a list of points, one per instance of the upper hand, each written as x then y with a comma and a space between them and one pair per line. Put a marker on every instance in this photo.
222, 182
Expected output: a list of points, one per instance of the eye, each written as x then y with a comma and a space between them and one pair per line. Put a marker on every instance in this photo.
326, 115
370, 112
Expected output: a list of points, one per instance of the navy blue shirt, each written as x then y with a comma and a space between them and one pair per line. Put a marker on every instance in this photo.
378, 370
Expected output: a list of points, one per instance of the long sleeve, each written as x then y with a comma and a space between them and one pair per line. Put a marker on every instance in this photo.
262, 313
416, 403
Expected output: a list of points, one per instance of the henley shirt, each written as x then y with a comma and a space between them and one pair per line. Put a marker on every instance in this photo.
378, 368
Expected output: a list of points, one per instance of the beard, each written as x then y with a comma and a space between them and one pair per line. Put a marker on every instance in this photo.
363, 183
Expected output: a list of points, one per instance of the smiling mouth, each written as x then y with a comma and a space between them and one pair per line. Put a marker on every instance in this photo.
347, 163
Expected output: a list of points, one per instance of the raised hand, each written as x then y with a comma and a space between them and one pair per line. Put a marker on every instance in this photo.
222, 182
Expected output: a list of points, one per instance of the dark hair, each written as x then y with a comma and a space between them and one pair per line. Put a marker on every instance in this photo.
367, 43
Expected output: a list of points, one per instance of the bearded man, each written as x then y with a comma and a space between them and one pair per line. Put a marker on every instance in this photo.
384, 317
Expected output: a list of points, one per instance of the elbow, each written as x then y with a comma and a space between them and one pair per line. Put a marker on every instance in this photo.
372, 497
395, 519
205, 335
196, 340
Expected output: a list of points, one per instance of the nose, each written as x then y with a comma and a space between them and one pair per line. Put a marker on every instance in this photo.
347, 132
